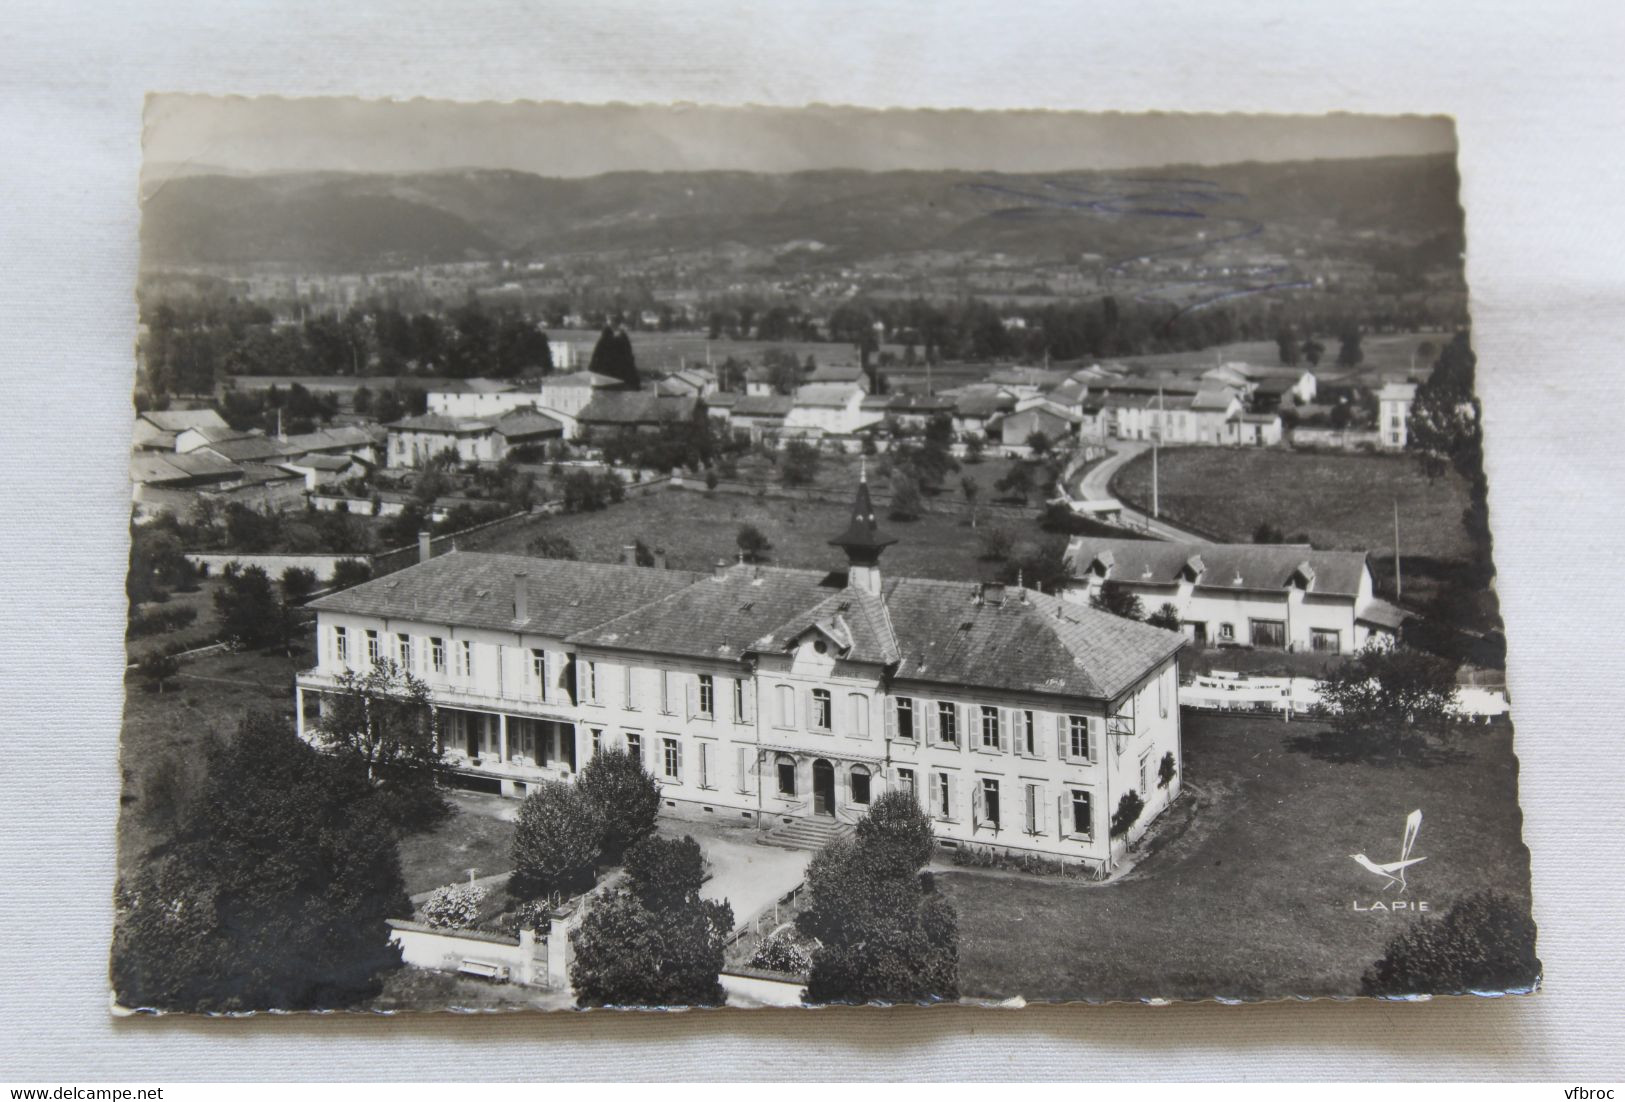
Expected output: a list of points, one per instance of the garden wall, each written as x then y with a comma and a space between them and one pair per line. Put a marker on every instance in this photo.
524, 959
755, 987
320, 565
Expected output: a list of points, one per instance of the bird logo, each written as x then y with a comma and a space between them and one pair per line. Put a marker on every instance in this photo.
1394, 871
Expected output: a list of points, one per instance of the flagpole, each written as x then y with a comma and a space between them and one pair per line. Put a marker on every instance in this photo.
1397, 588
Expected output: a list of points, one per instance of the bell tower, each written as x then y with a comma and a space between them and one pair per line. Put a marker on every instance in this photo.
863, 540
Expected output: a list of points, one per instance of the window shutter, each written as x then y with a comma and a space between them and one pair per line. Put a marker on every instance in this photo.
679, 743
891, 718
963, 725
978, 804
750, 701
807, 707
691, 691
1062, 823
1004, 730
932, 724
837, 721
742, 769
1038, 809
1061, 736
1094, 739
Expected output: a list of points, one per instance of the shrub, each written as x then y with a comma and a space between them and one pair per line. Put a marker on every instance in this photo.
158, 668
454, 907
1485, 942
532, 914
1127, 813
995, 543
159, 620
625, 795
665, 872
349, 572
779, 952
1166, 617
556, 842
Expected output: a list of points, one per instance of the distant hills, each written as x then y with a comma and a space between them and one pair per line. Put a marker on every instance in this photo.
339, 221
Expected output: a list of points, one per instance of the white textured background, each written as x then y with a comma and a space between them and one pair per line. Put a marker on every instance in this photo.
1538, 96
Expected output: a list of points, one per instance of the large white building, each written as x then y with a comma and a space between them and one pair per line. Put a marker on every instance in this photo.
1394, 412
1242, 594
1017, 719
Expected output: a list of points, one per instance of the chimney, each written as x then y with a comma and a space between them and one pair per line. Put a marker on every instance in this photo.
521, 597
720, 571
425, 546
660, 559
629, 554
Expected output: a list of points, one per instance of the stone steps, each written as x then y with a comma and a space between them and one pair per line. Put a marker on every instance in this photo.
805, 834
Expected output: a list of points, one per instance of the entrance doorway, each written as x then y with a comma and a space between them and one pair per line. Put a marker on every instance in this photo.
823, 784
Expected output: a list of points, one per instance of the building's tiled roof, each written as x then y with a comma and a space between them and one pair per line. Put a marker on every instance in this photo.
214, 434
1039, 377
178, 420
722, 399
637, 407
1213, 398
440, 422
835, 395
836, 373
319, 462
855, 619
921, 403
581, 378
256, 474
1259, 566
1041, 644
876, 401
526, 422
475, 386
984, 404
161, 467
475, 589
762, 405
339, 436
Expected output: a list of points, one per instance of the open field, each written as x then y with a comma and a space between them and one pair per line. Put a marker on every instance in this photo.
1255, 898
1383, 352
164, 732
657, 351
1338, 500
695, 529
476, 835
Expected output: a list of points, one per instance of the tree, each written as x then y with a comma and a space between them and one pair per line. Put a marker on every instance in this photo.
380, 723
1116, 598
350, 572
626, 954
1127, 813
250, 614
556, 841
799, 465
1485, 942
974, 447
1313, 350
1017, 482
1349, 353
995, 543
971, 490
158, 669
1166, 617
551, 545
1287, 346
752, 542
1166, 770
665, 872
273, 894
613, 356
298, 582
905, 496
1390, 700
896, 835
1039, 443
626, 796
884, 933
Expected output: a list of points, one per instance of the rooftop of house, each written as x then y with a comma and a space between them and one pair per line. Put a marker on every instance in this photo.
249, 449
1214, 398
527, 422
984, 403
637, 407
317, 461
475, 386
827, 395
836, 373
178, 420
1253, 566
581, 378
337, 436
762, 405
159, 467
440, 422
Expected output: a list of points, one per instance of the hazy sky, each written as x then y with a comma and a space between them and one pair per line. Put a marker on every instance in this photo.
553, 139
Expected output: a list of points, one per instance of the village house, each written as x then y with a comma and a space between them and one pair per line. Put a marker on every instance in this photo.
779, 697
363, 442
1057, 423
911, 413
158, 430
613, 413
414, 441
477, 398
759, 416
851, 374
977, 407
1242, 594
563, 397
695, 382
1394, 413
822, 410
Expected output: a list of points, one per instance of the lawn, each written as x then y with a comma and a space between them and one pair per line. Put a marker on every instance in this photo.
696, 528
1255, 898
165, 731
1381, 352
1338, 500
476, 835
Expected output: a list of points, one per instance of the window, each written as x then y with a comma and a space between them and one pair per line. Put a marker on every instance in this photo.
708, 695
538, 669
597, 740
1078, 742
1029, 734
1083, 815
787, 775
1145, 774
947, 722
990, 728
467, 650
437, 654
787, 705
341, 646
1031, 808
860, 784
905, 781
372, 647
990, 801
905, 717
1227, 633
589, 678
403, 650
1268, 633
821, 718
671, 759
857, 715
739, 700
634, 745
942, 795
1325, 641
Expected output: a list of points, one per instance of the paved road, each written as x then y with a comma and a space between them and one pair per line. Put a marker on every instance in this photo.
1095, 482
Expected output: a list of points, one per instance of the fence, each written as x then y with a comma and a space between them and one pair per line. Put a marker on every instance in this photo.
1290, 696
